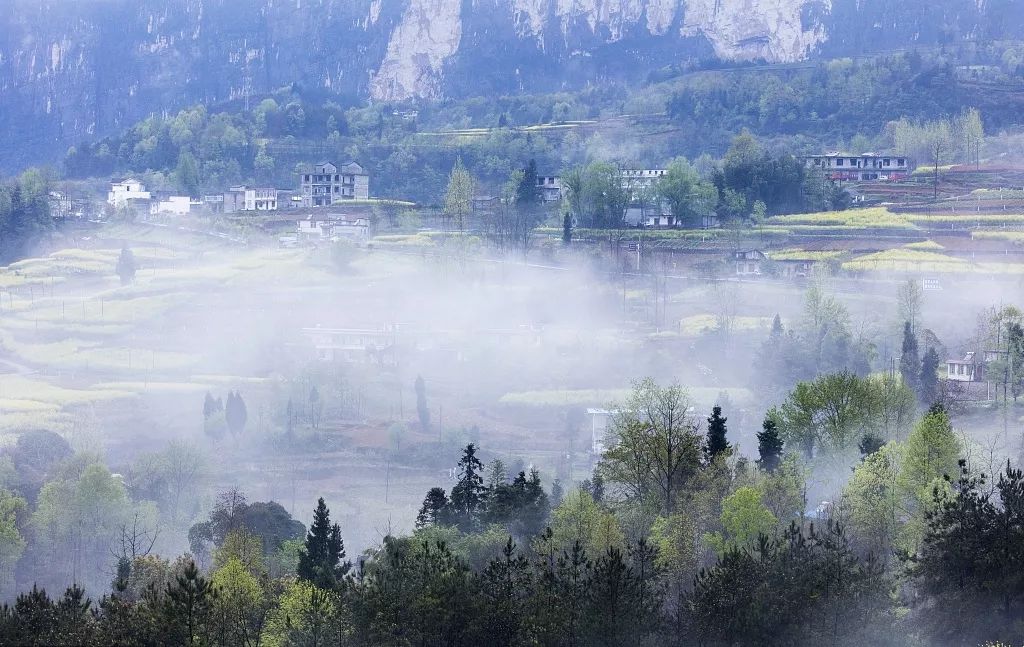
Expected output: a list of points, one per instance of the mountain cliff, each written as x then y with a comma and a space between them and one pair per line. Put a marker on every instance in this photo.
74, 68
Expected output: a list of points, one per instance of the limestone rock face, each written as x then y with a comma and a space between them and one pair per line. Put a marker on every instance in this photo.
71, 69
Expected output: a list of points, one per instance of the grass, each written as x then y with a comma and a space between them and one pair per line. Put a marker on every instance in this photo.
702, 396
867, 218
927, 245
18, 387
696, 324
804, 255
565, 397
1016, 237
968, 218
907, 260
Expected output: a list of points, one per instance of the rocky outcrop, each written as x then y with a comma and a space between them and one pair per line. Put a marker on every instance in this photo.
69, 70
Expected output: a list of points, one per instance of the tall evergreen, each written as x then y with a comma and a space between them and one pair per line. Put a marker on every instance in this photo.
769, 446
435, 509
235, 413
928, 383
716, 444
421, 404
187, 606
910, 362
469, 494
126, 266
320, 558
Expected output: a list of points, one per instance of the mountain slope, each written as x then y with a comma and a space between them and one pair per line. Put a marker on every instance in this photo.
69, 70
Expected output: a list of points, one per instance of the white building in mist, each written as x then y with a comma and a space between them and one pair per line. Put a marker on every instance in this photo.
122, 192
175, 205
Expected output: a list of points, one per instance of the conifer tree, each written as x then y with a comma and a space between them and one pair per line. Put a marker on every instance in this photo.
235, 413
187, 606
434, 510
320, 558
421, 404
716, 444
910, 363
126, 266
469, 494
769, 446
928, 383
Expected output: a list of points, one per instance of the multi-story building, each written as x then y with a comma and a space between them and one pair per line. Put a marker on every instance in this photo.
633, 180
260, 199
243, 198
123, 191
327, 184
866, 167
550, 187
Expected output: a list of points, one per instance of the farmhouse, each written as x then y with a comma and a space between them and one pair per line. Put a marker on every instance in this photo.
177, 205
973, 367
748, 262
550, 187
355, 345
243, 198
866, 167
328, 184
327, 227
123, 191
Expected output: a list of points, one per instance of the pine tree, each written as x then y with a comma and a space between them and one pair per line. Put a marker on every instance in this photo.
716, 442
469, 494
320, 558
777, 329
769, 446
910, 363
928, 384
187, 606
434, 510
421, 404
506, 586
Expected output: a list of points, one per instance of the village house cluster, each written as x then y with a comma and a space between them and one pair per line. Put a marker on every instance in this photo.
320, 185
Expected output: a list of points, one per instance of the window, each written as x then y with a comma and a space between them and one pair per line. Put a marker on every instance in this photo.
839, 162
885, 162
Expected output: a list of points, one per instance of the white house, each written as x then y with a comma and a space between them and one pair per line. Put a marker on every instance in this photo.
260, 199
333, 227
177, 205
121, 192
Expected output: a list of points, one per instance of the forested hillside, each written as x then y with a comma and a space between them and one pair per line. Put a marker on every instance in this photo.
408, 152
96, 66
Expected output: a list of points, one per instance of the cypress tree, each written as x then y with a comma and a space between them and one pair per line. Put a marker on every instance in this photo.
909, 361
716, 442
421, 404
769, 446
126, 266
321, 555
928, 384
